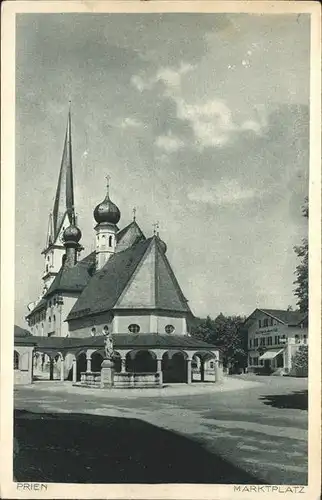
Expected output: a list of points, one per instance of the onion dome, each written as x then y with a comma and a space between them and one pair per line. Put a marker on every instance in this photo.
107, 211
72, 234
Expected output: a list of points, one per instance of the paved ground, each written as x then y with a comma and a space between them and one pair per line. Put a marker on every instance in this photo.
251, 430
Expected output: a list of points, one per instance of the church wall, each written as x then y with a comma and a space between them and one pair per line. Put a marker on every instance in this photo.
121, 323
149, 323
179, 324
82, 327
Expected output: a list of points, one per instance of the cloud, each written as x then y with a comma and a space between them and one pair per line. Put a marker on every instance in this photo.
131, 122
211, 120
170, 76
170, 143
227, 192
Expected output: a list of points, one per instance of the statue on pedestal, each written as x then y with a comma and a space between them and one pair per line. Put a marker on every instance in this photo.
108, 344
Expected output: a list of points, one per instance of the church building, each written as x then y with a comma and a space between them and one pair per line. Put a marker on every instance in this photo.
126, 287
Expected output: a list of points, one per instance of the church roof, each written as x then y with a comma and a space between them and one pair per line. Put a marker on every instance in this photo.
21, 332
73, 279
128, 236
139, 277
123, 341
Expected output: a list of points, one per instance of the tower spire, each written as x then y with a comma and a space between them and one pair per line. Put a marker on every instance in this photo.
64, 199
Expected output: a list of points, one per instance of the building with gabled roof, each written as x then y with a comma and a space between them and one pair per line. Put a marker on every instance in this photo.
126, 287
273, 337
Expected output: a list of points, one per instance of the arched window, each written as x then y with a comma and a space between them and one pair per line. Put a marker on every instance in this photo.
110, 239
15, 360
212, 365
103, 240
93, 331
297, 339
105, 330
46, 268
134, 328
169, 329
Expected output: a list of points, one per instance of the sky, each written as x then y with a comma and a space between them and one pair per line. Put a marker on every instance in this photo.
202, 123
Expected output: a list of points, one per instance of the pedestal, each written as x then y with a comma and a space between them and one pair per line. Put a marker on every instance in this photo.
107, 374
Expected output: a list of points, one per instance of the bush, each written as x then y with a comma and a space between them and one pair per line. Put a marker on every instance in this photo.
300, 362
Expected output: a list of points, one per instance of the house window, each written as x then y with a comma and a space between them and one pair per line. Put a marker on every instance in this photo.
297, 339
265, 322
211, 365
15, 360
93, 331
304, 339
277, 339
110, 241
269, 340
105, 330
255, 342
250, 343
259, 323
134, 328
272, 322
255, 361
262, 341
169, 329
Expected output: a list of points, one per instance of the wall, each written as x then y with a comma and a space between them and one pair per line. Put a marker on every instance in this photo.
82, 327
149, 323
53, 318
23, 375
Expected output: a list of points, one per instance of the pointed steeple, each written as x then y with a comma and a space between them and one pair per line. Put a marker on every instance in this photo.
64, 199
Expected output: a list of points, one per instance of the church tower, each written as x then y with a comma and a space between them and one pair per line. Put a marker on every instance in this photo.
62, 215
107, 215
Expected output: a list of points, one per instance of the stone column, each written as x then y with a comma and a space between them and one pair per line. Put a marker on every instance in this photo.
159, 369
189, 372
202, 370
51, 368
62, 368
74, 370
88, 362
123, 365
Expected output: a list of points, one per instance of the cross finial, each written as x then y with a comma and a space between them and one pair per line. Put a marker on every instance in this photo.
134, 213
108, 177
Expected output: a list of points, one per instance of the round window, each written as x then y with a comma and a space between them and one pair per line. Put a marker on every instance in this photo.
169, 329
134, 328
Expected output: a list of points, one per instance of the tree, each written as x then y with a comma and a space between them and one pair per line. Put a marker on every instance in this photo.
225, 332
302, 270
300, 361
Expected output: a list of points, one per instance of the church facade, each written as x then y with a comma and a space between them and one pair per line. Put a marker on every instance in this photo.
125, 287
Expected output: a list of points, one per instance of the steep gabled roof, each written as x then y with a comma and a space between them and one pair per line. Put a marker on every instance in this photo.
140, 277
290, 318
107, 284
